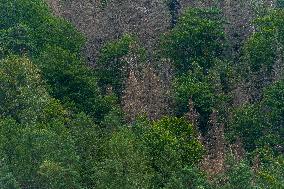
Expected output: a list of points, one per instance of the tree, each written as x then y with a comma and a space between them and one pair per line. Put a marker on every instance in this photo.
144, 95
270, 171
33, 128
263, 53
260, 125
107, 20
22, 91
89, 140
126, 164
7, 179
196, 47
72, 82
29, 26
200, 92
55, 46
189, 177
112, 67
31, 148
171, 145
237, 175
197, 37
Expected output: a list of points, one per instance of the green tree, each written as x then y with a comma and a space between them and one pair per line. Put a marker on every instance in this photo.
200, 91
261, 124
7, 179
263, 51
22, 91
89, 140
33, 128
112, 66
30, 29
271, 170
72, 82
197, 37
28, 26
125, 164
29, 147
171, 145
208, 92
238, 174
196, 47
189, 177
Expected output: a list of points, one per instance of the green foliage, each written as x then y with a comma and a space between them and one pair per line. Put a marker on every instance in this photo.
188, 86
34, 128
171, 145
125, 165
188, 178
260, 125
266, 172
280, 4
55, 176
270, 174
28, 26
112, 68
89, 140
27, 147
92, 144
240, 176
22, 91
260, 49
197, 37
16, 39
237, 175
201, 92
195, 45
274, 100
179, 135
72, 82
61, 124
263, 50
166, 149
7, 179
279, 24
208, 92
272, 106
54, 45
247, 124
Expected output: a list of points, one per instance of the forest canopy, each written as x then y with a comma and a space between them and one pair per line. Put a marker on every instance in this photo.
199, 106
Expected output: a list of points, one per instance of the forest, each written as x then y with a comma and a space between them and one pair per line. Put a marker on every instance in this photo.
141, 94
